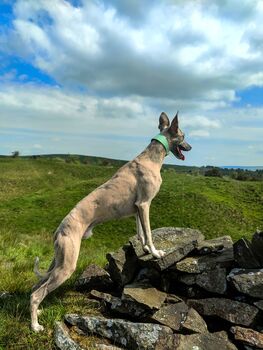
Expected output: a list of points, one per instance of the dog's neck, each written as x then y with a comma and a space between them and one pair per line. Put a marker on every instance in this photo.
155, 152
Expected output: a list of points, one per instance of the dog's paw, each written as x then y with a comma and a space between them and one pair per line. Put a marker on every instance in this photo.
37, 328
158, 253
146, 249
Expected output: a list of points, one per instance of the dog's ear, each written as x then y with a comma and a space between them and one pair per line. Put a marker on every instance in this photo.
164, 121
174, 126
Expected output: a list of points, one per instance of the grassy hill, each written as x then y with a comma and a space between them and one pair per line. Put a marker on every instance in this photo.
35, 194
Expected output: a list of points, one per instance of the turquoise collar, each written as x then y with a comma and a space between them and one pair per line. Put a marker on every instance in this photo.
163, 140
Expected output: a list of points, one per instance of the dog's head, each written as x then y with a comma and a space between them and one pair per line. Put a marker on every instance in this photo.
174, 135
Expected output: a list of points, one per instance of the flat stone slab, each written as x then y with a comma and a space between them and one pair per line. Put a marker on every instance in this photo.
127, 334
214, 245
122, 265
227, 309
63, 339
172, 315
259, 304
129, 308
206, 341
198, 264
176, 242
244, 255
212, 280
180, 317
194, 323
248, 281
146, 296
248, 336
94, 277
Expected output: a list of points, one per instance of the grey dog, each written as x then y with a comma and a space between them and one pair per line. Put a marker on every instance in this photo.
129, 192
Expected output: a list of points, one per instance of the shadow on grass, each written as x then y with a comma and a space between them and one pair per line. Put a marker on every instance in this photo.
15, 332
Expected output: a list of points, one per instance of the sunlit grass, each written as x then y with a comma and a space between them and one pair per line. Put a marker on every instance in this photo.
36, 194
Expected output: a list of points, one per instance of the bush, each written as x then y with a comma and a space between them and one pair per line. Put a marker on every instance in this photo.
15, 154
213, 172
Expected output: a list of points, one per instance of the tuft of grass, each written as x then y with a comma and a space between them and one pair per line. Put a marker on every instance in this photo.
35, 195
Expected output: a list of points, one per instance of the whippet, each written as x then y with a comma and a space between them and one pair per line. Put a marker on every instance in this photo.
129, 192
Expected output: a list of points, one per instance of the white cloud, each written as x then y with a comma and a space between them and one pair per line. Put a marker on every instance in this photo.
37, 146
45, 108
199, 133
66, 122
185, 50
133, 59
201, 121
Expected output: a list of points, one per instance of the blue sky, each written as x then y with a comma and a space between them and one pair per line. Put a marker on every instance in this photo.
92, 77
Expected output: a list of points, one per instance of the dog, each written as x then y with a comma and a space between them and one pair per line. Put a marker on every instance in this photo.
128, 193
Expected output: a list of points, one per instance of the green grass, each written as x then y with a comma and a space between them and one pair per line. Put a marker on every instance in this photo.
36, 194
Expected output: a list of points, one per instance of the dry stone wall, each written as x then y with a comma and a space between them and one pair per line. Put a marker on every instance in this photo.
203, 294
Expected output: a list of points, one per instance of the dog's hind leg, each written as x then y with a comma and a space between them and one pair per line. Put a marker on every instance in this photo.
66, 256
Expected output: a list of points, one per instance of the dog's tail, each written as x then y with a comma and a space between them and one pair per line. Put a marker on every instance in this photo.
36, 268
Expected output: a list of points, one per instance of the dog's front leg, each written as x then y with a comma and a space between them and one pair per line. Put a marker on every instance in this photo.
140, 234
144, 210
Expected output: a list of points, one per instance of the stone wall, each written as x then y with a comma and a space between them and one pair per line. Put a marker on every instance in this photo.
203, 294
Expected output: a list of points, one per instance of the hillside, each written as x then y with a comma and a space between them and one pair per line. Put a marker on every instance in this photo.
35, 194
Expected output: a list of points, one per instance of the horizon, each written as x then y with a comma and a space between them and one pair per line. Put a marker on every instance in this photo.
92, 77
243, 167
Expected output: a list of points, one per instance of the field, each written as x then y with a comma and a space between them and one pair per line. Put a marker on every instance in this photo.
35, 194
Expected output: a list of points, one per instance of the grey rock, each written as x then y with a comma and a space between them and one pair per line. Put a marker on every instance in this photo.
259, 304
214, 245
257, 246
198, 264
227, 309
106, 347
127, 334
206, 341
144, 295
244, 254
248, 336
248, 281
65, 342
108, 298
122, 265
176, 242
172, 315
124, 307
62, 338
94, 277
172, 299
148, 275
194, 322
212, 280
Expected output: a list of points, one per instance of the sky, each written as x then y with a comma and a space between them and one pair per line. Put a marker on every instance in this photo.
92, 77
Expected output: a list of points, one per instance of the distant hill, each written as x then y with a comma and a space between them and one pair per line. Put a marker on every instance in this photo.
251, 168
242, 173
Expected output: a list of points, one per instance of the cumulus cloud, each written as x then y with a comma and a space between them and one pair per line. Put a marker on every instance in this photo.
51, 108
178, 50
131, 60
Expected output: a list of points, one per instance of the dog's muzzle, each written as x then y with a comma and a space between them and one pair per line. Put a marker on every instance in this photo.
177, 151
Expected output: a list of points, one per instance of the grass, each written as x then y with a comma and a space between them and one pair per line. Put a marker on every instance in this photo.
36, 194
